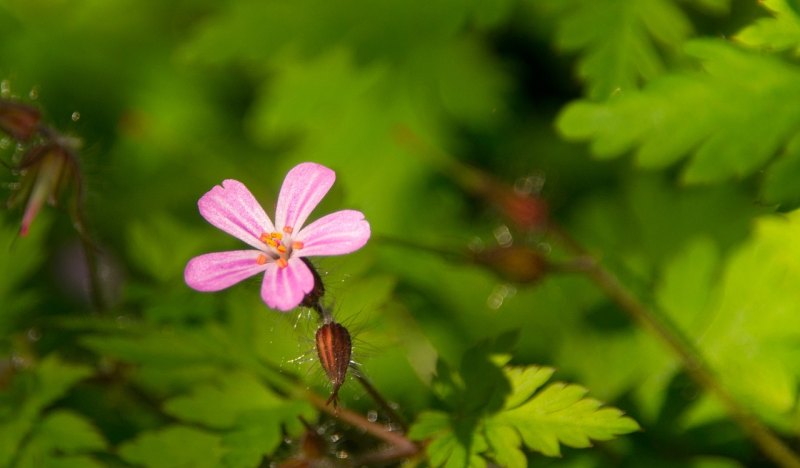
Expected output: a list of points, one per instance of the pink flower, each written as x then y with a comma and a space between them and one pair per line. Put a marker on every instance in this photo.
277, 248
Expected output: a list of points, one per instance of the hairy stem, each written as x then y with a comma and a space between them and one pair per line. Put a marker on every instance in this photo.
696, 367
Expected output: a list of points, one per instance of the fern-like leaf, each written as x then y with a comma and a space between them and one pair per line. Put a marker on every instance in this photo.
731, 117
540, 420
781, 31
619, 42
560, 414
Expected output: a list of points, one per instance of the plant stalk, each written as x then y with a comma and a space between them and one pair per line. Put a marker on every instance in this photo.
697, 368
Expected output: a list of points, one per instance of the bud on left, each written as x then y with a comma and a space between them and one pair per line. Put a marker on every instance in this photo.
20, 121
45, 172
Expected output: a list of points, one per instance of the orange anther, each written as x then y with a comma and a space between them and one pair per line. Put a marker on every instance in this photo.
282, 263
264, 237
276, 235
297, 245
262, 259
281, 248
271, 243
288, 229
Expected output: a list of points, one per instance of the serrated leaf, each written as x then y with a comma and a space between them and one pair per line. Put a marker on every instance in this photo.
541, 419
524, 382
448, 450
505, 444
560, 414
780, 32
619, 40
174, 446
726, 136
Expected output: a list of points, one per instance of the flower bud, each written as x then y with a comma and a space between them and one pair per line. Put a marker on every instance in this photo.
20, 121
45, 170
334, 349
527, 212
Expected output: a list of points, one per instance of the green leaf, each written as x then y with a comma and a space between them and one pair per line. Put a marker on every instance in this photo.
753, 326
257, 436
221, 405
560, 414
780, 181
780, 32
69, 432
48, 381
160, 246
428, 424
20, 258
620, 41
59, 436
505, 444
726, 135
174, 446
541, 419
448, 450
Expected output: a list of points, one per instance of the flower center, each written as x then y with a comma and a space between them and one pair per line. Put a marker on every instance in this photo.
282, 246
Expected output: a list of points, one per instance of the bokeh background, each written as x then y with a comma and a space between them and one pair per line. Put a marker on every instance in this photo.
430, 113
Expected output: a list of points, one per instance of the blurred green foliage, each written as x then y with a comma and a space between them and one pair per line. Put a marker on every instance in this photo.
670, 153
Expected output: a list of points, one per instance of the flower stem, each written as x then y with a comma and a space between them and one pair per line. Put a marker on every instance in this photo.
696, 367
89, 252
404, 446
381, 401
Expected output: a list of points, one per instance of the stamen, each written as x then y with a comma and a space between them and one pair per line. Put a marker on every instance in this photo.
264, 237
282, 263
276, 235
297, 245
281, 248
271, 243
288, 229
262, 259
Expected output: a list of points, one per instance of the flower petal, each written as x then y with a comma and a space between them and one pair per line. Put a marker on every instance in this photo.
335, 234
285, 288
302, 189
232, 208
218, 270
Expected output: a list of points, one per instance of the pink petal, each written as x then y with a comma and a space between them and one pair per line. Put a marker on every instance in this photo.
218, 270
232, 208
302, 189
284, 288
335, 234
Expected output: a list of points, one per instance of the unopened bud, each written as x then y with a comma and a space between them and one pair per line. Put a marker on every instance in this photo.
334, 349
20, 121
45, 171
526, 211
517, 264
